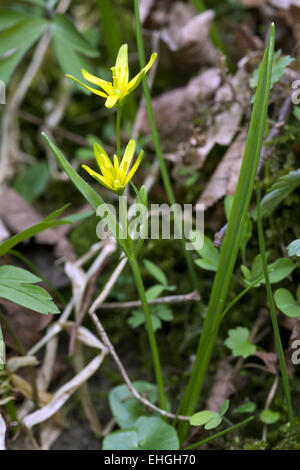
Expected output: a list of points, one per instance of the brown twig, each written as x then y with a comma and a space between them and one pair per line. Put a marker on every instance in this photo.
170, 299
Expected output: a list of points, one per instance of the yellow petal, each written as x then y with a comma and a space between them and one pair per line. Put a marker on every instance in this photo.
97, 92
134, 83
135, 167
121, 66
107, 86
98, 177
116, 163
111, 101
103, 159
126, 160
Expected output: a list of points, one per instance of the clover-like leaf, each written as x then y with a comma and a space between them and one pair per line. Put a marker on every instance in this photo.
238, 342
210, 419
286, 303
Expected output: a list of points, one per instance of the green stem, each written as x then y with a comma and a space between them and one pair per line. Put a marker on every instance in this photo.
118, 131
152, 340
272, 308
157, 144
219, 434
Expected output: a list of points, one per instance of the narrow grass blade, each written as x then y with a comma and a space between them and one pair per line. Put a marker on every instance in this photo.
230, 245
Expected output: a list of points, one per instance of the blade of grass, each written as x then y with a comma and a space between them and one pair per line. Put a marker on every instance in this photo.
230, 247
157, 144
284, 375
219, 434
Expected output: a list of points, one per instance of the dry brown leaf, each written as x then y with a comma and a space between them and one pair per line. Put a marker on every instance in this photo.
187, 37
18, 215
223, 386
175, 110
225, 177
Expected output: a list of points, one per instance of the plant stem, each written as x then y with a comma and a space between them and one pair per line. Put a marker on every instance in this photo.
152, 340
118, 131
272, 308
219, 434
157, 144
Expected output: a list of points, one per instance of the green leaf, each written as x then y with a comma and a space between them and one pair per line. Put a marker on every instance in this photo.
125, 408
278, 192
18, 33
286, 303
210, 419
16, 285
154, 291
278, 270
231, 242
209, 256
156, 272
294, 248
32, 183
269, 417
248, 407
48, 222
148, 434
224, 408
70, 46
278, 68
238, 342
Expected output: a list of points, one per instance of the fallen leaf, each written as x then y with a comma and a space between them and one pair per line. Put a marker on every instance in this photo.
187, 36
225, 177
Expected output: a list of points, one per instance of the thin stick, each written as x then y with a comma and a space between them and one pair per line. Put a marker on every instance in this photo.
170, 299
123, 372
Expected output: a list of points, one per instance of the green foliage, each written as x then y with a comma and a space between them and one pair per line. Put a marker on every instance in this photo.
238, 342
18, 32
147, 434
209, 256
284, 186
125, 408
286, 303
17, 285
210, 419
248, 407
70, 46
33, 181
280, 63
49, 222
269, 417
159, 313
278, 270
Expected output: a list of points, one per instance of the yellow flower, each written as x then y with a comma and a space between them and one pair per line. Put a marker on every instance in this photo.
116, 92
115, 176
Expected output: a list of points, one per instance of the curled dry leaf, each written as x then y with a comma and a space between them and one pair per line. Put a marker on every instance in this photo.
270, 360
175, 110
14, 363
187, 37
63, 394
223, 386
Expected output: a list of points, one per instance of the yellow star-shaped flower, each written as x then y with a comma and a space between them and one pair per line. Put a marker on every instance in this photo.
115, 92
115, 176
